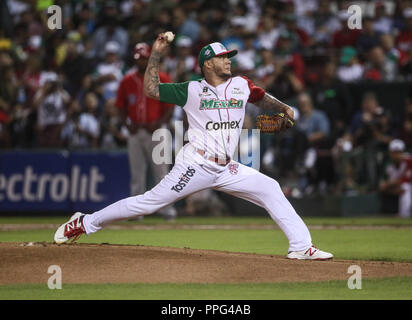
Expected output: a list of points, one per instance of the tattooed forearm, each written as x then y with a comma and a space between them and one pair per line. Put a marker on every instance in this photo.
271, 103
151, 77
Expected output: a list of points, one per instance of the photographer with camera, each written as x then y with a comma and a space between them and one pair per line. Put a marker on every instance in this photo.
370, 132
50, 102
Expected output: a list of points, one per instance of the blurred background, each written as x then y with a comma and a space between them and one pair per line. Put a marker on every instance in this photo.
63, 142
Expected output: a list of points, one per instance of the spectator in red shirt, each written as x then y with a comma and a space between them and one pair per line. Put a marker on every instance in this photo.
142, 116
345, 36
404, 39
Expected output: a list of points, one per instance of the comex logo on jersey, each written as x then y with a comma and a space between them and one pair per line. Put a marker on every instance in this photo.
184, 179
223, 125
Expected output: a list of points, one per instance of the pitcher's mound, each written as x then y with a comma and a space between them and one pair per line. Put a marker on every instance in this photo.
89, 263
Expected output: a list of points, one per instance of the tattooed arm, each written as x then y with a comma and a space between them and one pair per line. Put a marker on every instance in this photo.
269, 102
151, 77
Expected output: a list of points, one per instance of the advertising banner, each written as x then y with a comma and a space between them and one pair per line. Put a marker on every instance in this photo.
61, 180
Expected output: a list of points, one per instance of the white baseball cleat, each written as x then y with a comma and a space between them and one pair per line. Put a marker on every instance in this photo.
312, 253
72, 229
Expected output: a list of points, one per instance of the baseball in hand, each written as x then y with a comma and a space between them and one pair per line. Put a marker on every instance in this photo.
169, 36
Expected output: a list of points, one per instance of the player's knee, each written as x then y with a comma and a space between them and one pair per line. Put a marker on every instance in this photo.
269, 187
272, 186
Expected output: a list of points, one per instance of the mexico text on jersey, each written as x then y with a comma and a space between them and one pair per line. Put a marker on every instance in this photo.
213, 104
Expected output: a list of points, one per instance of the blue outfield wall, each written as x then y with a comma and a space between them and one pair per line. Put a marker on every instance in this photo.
62, 180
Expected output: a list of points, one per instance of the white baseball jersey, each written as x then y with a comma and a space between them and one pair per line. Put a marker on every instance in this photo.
215, 114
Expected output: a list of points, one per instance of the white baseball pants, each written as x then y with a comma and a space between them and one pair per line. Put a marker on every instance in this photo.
193, 173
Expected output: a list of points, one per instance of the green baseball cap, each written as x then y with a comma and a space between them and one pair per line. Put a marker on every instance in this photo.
213, 50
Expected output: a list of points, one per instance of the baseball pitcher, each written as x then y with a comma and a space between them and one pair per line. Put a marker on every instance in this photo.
215, 108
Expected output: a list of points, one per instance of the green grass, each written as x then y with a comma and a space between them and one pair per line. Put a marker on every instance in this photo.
156, 220
389, 288
386, 244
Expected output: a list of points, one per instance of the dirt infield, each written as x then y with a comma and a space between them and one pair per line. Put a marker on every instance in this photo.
88, 263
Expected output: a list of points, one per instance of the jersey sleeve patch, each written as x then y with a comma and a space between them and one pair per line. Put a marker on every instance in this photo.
256, 93
175, 93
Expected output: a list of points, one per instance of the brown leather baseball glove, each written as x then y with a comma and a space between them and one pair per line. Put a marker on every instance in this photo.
274, 123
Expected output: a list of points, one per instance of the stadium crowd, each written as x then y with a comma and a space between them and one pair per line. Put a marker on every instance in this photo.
58, 87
